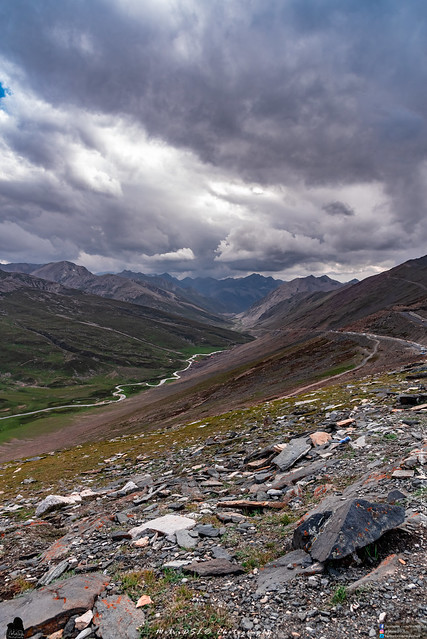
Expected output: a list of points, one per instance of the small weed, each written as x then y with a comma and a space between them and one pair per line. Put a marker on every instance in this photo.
421, 492
371, 552
285, 519
171, 576
340, 595
390, 436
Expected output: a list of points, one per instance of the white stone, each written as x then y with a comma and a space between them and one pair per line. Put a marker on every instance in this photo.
53, 502
167, 525
84, 620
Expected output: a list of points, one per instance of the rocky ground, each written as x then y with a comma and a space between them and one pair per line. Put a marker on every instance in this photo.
303, 518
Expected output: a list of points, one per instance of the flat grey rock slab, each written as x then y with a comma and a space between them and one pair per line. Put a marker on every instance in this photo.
117, 617
278, 572
49, 608
213, 567
296, 449
167, 525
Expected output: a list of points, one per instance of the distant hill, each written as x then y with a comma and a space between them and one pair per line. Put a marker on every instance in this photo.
231, 295
116, 287
276, 305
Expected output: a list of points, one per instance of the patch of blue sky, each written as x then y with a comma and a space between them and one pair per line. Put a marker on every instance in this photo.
4, 91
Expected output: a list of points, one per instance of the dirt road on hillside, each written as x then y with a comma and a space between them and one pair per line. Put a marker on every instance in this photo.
170, 405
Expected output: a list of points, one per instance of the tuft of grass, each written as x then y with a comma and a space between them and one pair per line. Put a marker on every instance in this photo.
184, 618
340, 595
253, 557
390, 436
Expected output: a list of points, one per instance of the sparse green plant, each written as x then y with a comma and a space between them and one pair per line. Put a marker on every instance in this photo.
254, 557
133, 583
171, 576
371, 551
340, 595
390, 436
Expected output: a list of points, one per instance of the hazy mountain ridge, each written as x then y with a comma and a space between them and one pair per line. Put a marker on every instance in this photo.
230, 295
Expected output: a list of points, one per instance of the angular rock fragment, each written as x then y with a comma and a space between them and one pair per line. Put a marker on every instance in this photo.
185, 540
213, 567
278, 572
296, 449
167, 525
53, 502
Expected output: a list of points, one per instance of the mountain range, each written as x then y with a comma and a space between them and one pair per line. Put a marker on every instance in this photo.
307, 330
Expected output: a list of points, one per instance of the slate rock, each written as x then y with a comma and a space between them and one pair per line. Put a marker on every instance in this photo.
396, 496
221, 553
185, 540
353, 525
296, 449
117, 616
213, 567
306, 532
278, 572
54, 573
50, 607
207, 530
119, 535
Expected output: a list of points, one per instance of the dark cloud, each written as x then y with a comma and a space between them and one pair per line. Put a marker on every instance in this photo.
319, 106
338, 208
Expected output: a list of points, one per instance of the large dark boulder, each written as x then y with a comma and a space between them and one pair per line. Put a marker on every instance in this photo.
355, 524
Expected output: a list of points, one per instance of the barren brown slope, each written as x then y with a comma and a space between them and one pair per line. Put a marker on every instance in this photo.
402, 288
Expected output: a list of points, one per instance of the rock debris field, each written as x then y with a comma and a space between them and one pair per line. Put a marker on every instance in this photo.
305, 519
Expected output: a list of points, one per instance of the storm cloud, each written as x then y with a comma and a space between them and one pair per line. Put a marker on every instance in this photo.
278, 136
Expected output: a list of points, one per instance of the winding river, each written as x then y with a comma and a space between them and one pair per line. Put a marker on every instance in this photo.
119, 392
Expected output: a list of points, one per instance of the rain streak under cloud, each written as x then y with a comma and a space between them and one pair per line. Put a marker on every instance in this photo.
214, 137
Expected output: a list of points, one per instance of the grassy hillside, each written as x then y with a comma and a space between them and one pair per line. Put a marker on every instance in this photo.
61, 348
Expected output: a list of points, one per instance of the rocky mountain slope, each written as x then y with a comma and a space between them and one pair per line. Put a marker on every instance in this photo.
288, 295
230, 295
400, 287
305, 517
119, 288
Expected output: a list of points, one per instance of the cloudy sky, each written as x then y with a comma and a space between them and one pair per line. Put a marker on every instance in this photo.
214, 137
